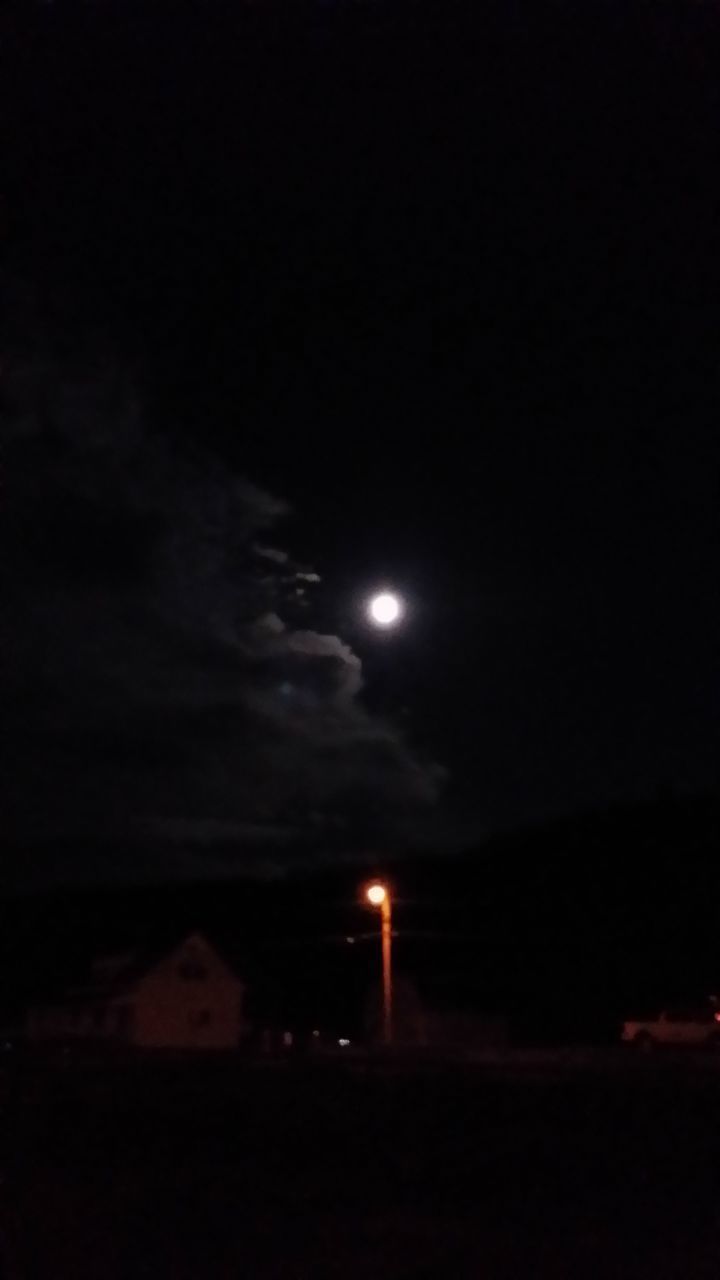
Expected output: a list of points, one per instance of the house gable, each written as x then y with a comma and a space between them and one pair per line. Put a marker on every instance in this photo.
194, 961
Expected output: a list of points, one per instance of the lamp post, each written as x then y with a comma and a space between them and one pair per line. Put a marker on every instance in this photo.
378, 895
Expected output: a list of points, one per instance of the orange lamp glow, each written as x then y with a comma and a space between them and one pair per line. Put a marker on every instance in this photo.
376, 894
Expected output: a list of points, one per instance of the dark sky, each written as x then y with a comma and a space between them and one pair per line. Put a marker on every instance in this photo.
446, 284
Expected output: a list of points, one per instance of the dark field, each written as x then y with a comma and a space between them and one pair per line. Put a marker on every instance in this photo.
610, 1168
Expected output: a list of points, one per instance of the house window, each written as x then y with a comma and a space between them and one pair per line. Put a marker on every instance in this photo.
192, 970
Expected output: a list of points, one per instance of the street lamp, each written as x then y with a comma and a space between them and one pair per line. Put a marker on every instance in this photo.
378, 895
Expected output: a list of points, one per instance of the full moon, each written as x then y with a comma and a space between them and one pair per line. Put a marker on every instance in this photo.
384, 609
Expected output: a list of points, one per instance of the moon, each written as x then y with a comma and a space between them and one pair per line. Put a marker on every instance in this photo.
384, 609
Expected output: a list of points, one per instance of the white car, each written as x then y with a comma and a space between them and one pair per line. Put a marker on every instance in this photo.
692, 1027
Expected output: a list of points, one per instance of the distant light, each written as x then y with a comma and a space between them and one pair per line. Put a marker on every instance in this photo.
349, 939
717, 1016
343, 1043
384, 609
376, 894
316, 1034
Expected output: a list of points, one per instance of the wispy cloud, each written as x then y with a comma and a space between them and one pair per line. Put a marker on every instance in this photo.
156, 678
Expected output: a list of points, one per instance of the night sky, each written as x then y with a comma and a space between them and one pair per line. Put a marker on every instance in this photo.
390, 295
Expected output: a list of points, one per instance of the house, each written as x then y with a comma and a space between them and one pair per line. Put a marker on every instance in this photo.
188, 998
431, 1020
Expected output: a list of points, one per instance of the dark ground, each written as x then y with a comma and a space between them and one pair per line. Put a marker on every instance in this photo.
607, 1169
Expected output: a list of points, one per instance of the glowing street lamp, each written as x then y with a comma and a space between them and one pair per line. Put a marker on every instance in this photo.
378, 895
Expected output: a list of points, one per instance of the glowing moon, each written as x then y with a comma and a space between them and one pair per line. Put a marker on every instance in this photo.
384, 609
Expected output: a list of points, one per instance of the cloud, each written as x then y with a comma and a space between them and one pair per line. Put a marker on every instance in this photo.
271, 553
156, 678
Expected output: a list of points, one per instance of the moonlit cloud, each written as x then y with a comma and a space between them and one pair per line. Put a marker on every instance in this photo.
160, 681
271, 553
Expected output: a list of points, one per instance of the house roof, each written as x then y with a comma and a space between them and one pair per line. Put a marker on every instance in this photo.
113, 976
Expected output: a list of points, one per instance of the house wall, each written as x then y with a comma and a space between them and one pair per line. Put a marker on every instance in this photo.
191, 1000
